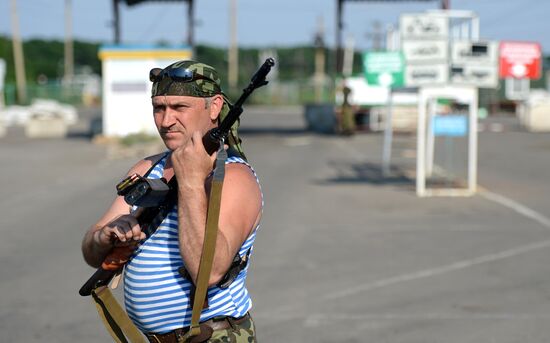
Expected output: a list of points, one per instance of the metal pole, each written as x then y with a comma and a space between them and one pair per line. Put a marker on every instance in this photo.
430, 136
116, 21
319, 76
339, 27
421, 146
388, 137
190, 25
20, 78
233, 60
69, 56
472, 143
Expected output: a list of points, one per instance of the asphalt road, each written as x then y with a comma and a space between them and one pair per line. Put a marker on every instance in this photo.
343, 254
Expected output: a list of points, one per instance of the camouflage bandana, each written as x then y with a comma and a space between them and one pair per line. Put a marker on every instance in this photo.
198, 87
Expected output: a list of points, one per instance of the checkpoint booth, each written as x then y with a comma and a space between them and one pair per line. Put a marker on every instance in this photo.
126, 86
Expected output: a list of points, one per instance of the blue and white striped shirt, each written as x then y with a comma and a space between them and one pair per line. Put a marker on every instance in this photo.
157, 298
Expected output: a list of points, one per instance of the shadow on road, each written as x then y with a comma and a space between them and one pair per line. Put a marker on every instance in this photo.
368, 172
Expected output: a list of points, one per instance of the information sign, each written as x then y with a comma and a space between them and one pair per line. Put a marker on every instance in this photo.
521, 60
450, 125
384, 68
426, 74
480, 75
425, 51
423, 26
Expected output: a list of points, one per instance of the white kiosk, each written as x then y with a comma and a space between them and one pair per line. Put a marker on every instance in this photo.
126, 86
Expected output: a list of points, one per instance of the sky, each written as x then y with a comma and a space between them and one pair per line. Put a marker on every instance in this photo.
263, 23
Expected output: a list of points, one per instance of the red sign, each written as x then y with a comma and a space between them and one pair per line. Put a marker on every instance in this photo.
520, 60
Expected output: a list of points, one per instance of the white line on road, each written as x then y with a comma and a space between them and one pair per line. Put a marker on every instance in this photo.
516, 206
439, 270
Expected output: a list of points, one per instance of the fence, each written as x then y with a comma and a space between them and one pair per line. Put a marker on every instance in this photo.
74, 94
276, 93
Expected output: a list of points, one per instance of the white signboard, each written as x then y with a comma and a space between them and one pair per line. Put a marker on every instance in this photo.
479, 75
423, 51
2, 73
426, 74
467, 52
423, 26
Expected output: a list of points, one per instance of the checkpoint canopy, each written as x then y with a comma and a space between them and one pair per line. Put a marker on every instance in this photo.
126, 86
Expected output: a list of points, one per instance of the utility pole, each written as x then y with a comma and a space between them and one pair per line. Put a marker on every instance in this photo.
69, 52
233, 58
376, 36
190, 25
319, 76
116, 21
339, 27
20, 78
445, 4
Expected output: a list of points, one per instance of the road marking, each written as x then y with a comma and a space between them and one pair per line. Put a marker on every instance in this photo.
516, 206
439, 270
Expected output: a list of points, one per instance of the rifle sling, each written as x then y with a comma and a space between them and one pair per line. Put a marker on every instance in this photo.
209, 244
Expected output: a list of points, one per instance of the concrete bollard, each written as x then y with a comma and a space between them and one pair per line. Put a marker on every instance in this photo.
46, 127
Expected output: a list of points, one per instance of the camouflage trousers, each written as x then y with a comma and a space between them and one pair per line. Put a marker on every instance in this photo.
244, 332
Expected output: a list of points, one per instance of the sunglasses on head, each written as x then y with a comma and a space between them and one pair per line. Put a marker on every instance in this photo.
178, 75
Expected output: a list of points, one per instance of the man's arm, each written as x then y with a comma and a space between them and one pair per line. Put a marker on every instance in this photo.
239, 210
116, 225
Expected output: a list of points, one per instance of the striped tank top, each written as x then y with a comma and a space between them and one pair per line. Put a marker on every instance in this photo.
157, 298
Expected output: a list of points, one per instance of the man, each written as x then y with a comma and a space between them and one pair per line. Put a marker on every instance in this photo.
348, 116
187, 102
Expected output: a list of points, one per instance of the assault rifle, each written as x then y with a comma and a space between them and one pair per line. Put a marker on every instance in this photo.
156, 196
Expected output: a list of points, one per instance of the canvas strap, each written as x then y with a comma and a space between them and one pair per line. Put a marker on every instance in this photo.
209, 245
115, 319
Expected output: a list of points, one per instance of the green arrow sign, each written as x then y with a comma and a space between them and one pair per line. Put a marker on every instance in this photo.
384, 68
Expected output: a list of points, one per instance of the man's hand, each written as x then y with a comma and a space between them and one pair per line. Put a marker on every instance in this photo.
124, 230
191, 162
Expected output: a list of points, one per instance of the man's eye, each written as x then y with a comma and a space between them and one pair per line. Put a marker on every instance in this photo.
158, 108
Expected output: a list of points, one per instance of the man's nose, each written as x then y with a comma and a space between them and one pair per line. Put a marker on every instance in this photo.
169, 117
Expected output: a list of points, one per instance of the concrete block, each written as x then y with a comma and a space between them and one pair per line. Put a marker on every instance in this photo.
404, 118
51, 127
320, 118
538, 117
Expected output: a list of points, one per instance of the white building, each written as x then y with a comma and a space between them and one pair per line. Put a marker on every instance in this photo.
126, 86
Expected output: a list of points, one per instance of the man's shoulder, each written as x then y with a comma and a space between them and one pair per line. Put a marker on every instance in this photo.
142, 166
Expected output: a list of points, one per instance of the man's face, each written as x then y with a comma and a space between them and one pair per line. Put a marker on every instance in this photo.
178, 116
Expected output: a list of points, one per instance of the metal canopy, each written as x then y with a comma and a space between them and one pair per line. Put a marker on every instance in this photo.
190, 17
136, 2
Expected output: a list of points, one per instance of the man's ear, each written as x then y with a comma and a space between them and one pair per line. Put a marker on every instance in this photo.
216, 106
